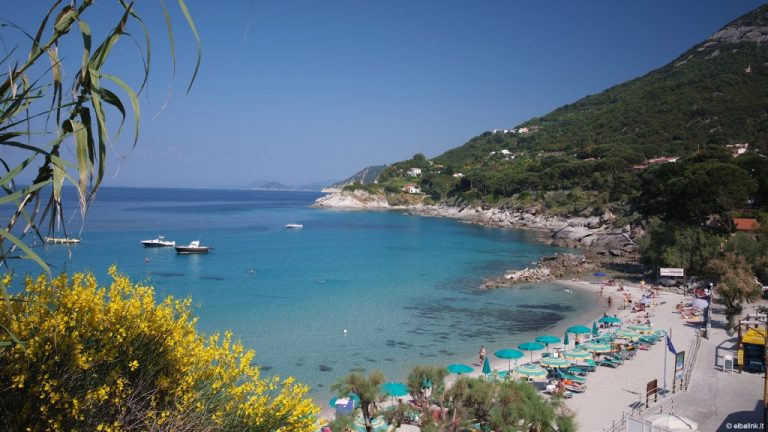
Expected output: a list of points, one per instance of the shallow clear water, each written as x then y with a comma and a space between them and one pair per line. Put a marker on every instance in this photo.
404, 288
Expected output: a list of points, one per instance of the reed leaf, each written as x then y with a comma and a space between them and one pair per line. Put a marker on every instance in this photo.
188, 16
134, 104
85, 30
4, 233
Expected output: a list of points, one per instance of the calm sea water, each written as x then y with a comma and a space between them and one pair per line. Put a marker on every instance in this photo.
351, 291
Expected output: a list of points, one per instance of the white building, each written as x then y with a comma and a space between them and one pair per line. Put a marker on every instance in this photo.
414, 172
412, 189
458, 175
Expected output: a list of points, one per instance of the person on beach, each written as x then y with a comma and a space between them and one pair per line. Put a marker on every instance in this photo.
610, 301
482, 353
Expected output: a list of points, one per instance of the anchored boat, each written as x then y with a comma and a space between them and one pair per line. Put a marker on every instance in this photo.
192, 248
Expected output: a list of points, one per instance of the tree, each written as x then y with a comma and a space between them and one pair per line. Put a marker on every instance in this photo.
110, 358
425, 382
736, 283
678, 245
367, 389
32, 91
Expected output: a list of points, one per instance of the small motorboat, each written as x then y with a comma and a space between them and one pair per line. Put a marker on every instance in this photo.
192, 248
294, 226
160, 241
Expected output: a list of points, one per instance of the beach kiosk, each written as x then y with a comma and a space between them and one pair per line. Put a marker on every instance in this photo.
751, 348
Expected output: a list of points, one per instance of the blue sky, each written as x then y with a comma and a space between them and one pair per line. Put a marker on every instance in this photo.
304, 91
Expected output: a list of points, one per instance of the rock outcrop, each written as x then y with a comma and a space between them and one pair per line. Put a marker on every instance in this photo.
547, 269
594, 233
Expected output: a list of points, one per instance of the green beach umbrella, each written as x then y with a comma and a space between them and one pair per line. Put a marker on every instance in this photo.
609, 320
531, 346
486, 366
395, 389
641, 328
459, 368
566, 342
531, 370
579, 329
555, 362
509, 354
594, 329
502, 374
578, 354
547, 339
596, 347
627, 334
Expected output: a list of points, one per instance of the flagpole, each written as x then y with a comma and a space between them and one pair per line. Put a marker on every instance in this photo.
665, 371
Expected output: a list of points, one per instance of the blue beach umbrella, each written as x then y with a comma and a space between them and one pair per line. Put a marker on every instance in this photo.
594, 329
509, 354
486, 366
609, 320
547, 339
531, 346
600, 274
579, 329
395, 389
459, 368
566, 342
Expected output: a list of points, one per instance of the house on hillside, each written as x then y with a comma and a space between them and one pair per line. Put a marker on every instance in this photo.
411, 189
458, 175
746, 224
737, 149
656, 161
414, 172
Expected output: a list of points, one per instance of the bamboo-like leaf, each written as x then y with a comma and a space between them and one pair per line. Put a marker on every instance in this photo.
13, 337
147, 41
57, 87
85, 30
8, 177
20, 193
102, 52
21, 245
172, 46
108, 97
191, 23
25, 147
134, 104
101, 119
81, 151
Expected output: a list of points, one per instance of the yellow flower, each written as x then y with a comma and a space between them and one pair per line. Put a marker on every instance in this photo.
133, 365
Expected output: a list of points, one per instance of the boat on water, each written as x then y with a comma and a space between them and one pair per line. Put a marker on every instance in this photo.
62, 240
160, 241
192, 248
294, 226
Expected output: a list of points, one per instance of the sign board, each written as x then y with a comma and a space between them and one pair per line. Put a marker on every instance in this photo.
754, 336
671, 271
679, 360
651, 389
740, 357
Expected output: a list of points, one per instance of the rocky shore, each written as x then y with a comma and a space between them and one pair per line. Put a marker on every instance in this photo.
548, 268
596, 234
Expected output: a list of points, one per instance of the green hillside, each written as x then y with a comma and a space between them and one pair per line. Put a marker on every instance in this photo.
713, 96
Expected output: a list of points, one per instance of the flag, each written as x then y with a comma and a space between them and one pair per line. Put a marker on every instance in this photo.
670, 346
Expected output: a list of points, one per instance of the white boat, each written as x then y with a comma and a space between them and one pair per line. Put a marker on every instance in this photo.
160, 241
62, 240
192, 248
294, 226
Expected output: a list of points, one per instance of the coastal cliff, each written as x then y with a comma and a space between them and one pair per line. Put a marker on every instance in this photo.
596, 234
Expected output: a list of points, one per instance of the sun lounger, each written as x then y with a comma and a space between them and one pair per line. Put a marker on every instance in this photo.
606, 361
576, 387
576, 370
566, 375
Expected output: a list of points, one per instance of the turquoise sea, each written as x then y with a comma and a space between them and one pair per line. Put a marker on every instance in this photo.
353, 290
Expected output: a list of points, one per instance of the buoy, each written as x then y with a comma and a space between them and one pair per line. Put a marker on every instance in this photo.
345, 332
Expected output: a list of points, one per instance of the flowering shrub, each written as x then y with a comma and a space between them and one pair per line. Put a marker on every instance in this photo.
112, 359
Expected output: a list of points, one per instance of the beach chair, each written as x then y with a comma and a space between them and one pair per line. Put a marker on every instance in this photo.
576, 387
567, 376
576, 370
608, 362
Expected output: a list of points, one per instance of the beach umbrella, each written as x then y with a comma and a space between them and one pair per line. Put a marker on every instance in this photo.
566, 342
459, 368
627, 334
355, 399
578, 354
486, 366
547, 339
509, 354
395, 389
600, 274
609, 320
502, 374
531, 370
641, 328
594, 329
531, 346
555, 362
596, 347
700, 304
579, 329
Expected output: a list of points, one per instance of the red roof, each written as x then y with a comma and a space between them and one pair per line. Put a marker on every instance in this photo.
746, 224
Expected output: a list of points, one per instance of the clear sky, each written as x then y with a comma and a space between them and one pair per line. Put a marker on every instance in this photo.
305, 91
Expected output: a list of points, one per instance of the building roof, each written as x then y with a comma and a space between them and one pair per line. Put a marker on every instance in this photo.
746, 224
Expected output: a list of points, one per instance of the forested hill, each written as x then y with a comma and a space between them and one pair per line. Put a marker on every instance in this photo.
710, 105
715, 93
